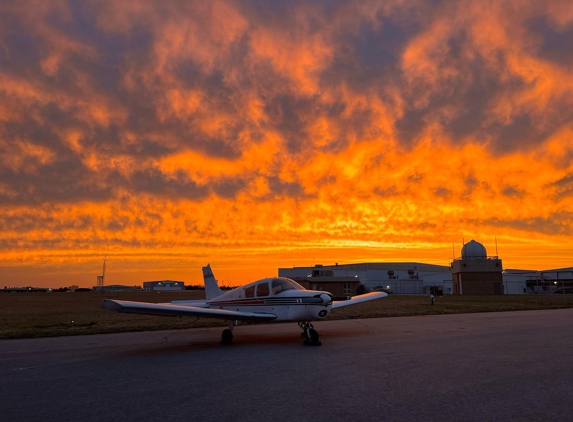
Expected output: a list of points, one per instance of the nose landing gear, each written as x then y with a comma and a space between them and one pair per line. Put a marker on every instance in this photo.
310, 334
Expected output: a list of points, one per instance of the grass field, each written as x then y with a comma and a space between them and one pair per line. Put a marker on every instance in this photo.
24, 315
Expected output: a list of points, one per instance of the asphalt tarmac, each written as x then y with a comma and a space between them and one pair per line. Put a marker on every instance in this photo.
513, 366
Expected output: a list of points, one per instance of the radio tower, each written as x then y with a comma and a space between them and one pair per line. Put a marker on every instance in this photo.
101, 278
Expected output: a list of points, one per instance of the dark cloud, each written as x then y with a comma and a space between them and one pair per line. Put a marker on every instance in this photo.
512, 192
554, 43
63, 181
326, 180
521, 133
471, 183
222, 148
557, 223
378, 47
410, 125
473, 102
21, 48
279, 188
229, 188
288, 114
564, 182
415, 178
563, 187
155, 182
386, 192
26, 221
443, 192
367, 60
463, 110
147, 148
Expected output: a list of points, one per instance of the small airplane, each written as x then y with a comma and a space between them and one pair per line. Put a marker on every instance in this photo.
270, 299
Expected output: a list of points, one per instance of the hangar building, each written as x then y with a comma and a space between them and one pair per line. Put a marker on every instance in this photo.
550, 281
163, 285
400, 277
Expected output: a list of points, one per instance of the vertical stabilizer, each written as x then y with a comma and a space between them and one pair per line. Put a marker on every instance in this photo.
212, 289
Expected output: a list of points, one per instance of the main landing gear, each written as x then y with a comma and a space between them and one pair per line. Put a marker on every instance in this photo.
310, 334
227, 336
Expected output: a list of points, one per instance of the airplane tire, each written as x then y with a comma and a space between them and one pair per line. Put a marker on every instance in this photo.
312, 338
227, 337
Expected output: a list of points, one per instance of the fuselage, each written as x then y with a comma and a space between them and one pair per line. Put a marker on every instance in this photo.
280, 296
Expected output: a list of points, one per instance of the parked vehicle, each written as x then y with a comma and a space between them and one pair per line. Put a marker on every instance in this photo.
386, 290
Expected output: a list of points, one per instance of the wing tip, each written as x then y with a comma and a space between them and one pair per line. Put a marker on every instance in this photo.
110, 305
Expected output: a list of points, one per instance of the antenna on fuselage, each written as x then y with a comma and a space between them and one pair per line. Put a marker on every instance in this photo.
227, 284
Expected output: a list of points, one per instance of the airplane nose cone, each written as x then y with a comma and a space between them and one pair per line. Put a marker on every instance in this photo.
326, 299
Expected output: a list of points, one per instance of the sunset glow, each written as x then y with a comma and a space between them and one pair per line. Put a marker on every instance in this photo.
253, 135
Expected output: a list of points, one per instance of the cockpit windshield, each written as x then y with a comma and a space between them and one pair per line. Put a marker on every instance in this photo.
281, 284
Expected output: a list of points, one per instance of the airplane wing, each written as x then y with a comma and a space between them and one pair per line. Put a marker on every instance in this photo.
173, 310
337, 304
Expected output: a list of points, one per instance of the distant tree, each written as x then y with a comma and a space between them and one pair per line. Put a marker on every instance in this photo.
73, 287
83, 289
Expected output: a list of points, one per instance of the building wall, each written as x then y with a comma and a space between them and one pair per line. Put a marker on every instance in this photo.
164, 285
477, 276
485, 283
476, 265
115, 288
340, 289
515, 282
406, 286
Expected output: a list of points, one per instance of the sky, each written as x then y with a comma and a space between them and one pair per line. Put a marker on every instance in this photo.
259, 134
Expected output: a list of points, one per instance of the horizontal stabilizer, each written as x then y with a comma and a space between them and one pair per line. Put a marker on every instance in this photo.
168, 309
337, 304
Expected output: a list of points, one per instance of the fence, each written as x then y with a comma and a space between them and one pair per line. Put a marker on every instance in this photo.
512, 287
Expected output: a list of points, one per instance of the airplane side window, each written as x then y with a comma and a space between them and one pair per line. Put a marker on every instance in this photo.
250, 292
277, 286
263, 289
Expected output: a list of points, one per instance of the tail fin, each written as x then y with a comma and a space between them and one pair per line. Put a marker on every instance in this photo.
212, 289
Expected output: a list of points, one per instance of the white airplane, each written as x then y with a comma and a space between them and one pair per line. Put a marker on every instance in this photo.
270, 299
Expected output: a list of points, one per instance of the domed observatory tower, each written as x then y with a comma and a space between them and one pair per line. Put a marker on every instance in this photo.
475, 273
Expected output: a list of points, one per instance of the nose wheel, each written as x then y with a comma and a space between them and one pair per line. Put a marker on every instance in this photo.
310, 334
